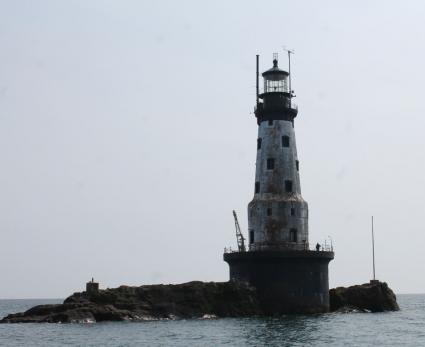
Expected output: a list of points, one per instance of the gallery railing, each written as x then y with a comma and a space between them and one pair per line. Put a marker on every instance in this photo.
285, 246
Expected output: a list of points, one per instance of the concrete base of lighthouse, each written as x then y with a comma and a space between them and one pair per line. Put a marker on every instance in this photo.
287, 281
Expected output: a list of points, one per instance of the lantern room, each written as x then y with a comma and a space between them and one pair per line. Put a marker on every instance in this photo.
275, 79
275, 103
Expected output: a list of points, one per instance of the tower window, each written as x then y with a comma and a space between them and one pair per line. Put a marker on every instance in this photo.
270, 164
292, 211
257, 187
297, 164
270, 122
269, 211
293, 235
259, 140
251, 236
288, 186
285, 141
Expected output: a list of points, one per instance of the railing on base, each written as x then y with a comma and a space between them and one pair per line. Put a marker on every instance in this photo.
284, 246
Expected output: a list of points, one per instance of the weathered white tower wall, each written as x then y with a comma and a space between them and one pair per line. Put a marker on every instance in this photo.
278, 215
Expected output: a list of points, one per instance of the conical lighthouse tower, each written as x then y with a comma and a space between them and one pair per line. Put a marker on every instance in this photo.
289, 277
278, 215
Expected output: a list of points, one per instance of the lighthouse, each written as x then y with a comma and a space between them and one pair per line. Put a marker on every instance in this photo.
289, 277
277, 215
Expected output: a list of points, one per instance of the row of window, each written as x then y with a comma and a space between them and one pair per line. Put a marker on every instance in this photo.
271, 122
270, 211
293, 235
285, 142
288, 186
271, 161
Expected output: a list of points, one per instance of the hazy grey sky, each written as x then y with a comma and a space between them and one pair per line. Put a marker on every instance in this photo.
127, 136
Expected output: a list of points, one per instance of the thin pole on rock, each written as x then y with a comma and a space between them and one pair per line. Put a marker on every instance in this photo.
373, 250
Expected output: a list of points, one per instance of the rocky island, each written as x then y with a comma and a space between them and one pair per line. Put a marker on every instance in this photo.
188, 300
148, 302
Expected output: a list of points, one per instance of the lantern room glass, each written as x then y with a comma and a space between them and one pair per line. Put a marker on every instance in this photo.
274, 86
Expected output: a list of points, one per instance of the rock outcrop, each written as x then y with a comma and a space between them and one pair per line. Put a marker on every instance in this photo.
374, 297
187, 300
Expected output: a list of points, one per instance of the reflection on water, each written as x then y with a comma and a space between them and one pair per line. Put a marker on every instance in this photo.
283, 329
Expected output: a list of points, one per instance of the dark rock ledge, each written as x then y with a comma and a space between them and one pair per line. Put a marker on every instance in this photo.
187, 300
369, 297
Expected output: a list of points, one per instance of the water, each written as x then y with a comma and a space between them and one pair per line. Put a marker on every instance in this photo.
403, 328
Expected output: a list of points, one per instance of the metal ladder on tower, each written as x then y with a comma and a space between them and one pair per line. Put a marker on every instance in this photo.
239, 237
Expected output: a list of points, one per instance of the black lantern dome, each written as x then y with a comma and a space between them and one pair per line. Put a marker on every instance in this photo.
275, 101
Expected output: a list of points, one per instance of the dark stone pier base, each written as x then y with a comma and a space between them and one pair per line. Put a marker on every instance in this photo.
287, 281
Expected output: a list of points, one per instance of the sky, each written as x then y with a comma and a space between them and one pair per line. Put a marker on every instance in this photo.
127, 137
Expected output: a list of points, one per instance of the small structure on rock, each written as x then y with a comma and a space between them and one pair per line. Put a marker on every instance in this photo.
92, 287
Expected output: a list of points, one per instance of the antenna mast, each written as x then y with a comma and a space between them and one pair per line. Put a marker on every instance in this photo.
373, 250
289, 51
257, 77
